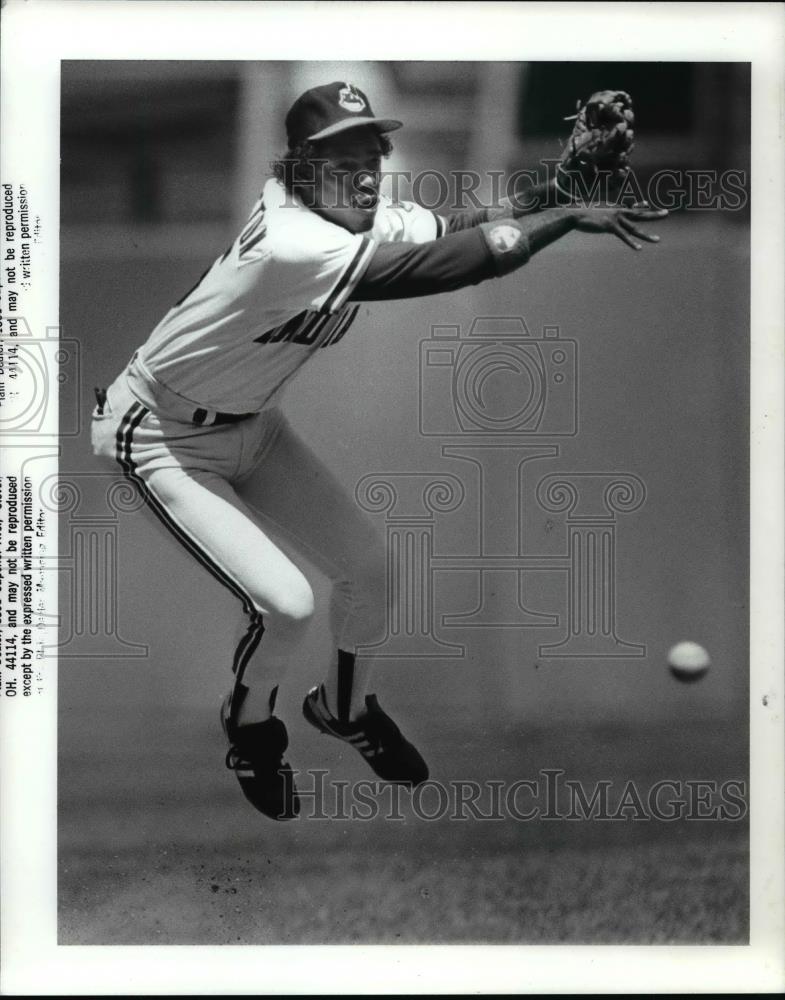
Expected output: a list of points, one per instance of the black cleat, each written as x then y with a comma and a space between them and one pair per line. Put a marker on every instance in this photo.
374, 734
256, 756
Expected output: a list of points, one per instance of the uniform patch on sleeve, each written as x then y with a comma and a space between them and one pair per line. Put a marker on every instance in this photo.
504, 237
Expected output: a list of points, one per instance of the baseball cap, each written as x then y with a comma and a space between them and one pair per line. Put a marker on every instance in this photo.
324, 111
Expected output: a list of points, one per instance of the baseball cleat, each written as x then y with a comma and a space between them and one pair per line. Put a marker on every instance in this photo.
374, 735
256, 756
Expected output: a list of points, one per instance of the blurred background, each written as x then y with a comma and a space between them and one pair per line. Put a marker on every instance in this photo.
161, 162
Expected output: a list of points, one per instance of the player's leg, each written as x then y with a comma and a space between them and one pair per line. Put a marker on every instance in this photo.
183, 475
291, 485
294, 488
203, 512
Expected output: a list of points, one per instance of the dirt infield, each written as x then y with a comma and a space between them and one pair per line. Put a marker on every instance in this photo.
160, 847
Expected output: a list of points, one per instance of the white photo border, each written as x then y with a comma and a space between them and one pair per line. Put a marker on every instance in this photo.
37, 35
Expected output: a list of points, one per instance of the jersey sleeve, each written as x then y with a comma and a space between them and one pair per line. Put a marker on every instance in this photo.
409, 270
406, 222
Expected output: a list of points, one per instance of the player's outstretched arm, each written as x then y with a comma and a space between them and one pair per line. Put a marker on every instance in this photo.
616, 220
489, 250
532, 199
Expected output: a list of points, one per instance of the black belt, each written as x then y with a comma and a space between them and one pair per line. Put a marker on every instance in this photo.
200, 416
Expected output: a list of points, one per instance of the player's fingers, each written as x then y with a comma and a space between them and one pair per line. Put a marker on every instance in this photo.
625, 237
646, 214
637, 232
645, 206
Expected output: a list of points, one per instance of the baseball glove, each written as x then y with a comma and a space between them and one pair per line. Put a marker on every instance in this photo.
601, 139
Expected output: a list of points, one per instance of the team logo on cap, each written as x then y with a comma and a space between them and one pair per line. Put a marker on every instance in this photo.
504, 238
350, 99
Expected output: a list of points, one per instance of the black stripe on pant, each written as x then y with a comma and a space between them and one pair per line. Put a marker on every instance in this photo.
250, 641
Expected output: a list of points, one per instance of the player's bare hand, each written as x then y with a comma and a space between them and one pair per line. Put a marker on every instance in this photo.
620, 221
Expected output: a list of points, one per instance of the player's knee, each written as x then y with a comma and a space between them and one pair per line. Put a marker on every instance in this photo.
294, 604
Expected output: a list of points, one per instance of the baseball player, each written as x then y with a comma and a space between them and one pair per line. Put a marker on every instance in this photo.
194, 420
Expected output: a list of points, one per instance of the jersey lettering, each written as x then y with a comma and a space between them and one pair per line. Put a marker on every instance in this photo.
309, 326
250, 238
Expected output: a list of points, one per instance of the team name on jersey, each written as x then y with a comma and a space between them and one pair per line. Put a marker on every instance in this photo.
249, 250
311, 328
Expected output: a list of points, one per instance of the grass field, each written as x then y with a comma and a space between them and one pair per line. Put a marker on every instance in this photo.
157, 845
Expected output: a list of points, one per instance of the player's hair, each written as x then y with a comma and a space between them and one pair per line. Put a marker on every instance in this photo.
292, 168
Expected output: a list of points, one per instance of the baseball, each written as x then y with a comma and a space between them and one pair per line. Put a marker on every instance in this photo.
688, 661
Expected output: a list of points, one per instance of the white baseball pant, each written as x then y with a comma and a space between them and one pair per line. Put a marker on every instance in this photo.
209, 486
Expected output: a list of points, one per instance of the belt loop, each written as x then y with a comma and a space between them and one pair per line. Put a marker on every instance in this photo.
199, 416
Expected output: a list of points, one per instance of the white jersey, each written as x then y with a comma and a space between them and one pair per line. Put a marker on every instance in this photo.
276, 296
